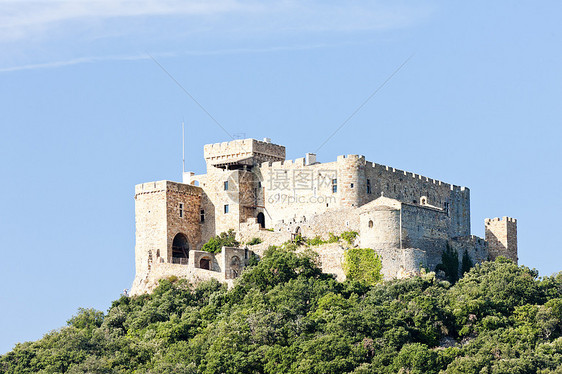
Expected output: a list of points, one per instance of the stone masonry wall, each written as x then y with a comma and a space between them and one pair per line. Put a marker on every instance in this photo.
150, 223
501, 235
188, 223
241, 149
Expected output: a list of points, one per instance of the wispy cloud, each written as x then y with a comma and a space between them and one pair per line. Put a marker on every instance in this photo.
22, 19
146, 56
19, 18
64, 31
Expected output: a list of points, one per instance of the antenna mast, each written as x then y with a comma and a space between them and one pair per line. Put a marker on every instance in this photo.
182, 148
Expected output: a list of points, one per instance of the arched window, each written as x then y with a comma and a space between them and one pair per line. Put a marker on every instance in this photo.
261, 219
235, 267
370, 223
180, 249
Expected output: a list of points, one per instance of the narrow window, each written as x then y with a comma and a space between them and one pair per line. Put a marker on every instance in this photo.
368, 186
226, 185
202, 216
334, 185
351, 185
181, 210
225, 208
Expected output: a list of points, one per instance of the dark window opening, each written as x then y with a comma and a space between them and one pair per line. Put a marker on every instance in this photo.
261, 220
205, 263
202, 216
226, 185
226, 209
368, 186
180, 249
351, 185
181, 210
334, 185
370, 224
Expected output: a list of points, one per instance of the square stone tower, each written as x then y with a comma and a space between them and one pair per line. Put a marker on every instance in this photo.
167, 219
501, 235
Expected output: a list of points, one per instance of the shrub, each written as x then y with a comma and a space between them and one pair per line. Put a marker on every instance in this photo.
315, 241
333, 238
254, 241
349, 236
225, 239
362, 264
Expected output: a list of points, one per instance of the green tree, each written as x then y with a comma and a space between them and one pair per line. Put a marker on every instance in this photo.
225, 239
449, 264
362, 264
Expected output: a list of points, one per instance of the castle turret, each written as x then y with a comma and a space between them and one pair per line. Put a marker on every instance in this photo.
501, 235
167, 219
351, 180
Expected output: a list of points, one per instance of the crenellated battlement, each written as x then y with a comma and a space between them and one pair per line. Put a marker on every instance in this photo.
242, 149
164, 185
489, 221
412, 175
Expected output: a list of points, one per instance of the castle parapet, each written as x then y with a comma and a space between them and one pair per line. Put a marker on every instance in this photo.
164, 185
251, 151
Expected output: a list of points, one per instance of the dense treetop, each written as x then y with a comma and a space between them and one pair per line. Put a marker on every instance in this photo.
285, 316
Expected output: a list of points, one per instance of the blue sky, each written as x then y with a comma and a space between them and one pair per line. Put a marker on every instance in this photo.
85, 114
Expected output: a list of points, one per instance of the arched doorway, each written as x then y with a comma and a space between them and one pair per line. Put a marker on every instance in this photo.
205, 263
261, 220
235, 267
180, 249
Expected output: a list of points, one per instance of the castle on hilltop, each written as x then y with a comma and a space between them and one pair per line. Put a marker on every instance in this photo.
249, 187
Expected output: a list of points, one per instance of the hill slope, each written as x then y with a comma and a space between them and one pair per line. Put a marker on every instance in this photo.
285, 316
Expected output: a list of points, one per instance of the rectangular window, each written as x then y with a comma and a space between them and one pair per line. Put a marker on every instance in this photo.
202, 216
334, 185
369, 186
226, 185
351, 185
181, 210
225, 208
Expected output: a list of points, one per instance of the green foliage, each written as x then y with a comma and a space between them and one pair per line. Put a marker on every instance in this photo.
254, 241
299, 239
466, 263
316, 241
362, 264
225, 239
333, 238
285, 316
349, 236
449, 264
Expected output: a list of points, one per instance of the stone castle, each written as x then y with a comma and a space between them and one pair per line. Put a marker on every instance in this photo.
249, 187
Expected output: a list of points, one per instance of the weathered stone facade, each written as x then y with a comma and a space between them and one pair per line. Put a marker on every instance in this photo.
249, 187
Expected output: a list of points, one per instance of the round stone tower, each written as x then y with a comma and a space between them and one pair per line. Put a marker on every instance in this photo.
351, 183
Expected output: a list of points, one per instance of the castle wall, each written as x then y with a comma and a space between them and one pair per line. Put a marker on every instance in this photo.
426, 229
292, 190
406, 236
477, 248
413, 188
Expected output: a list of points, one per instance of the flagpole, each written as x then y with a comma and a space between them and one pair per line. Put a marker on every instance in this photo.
183, 147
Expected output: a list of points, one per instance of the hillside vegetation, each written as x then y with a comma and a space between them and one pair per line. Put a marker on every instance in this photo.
285, 316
